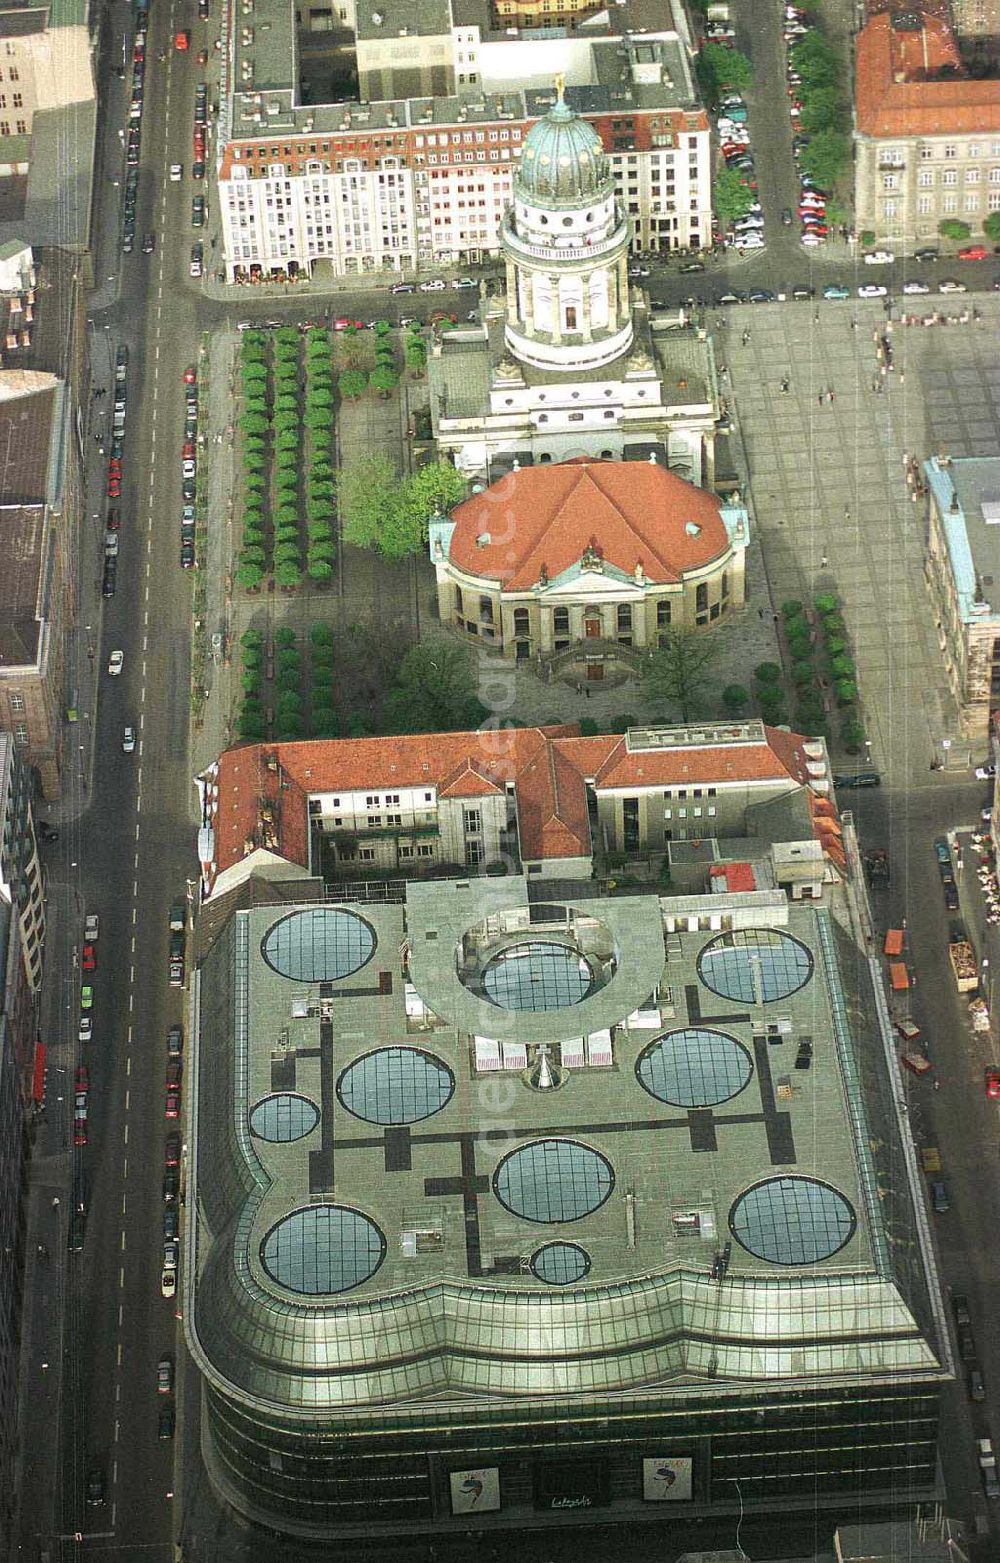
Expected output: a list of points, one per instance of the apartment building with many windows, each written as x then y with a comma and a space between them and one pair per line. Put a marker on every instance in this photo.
399, 183
927, 133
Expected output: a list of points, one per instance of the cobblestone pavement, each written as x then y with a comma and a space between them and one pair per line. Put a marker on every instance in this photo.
827, 482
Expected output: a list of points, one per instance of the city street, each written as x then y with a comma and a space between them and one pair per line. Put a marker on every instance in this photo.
832, 511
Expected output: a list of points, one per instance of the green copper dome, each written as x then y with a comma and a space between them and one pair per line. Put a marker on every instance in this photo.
563, 160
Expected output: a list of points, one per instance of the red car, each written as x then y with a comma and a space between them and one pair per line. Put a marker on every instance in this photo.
82, 1078
88, 957
190, 375
174, 1102
114, 485
343, 324
182, 42
113, 521
974, 252
174, 1071
189, 451
993, 1083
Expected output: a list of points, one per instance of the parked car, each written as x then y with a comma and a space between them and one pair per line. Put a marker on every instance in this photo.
175, 1041
165, 1376
836, 290
197, 264
198, 211
116, 662
974, 252
879, 258
951, 285
992, 1082
148, 243
872, 290
915, 285
176, 173
128, 740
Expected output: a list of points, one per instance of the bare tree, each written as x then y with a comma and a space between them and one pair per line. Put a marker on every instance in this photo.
677, 673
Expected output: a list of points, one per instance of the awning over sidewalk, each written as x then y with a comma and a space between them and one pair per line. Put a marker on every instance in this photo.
38, 1074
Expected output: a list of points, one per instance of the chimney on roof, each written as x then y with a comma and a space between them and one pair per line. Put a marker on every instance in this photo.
640, 574
652, 458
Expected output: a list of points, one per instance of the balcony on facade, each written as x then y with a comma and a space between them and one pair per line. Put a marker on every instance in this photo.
558, 250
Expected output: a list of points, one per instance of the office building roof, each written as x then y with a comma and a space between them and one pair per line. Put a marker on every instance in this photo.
685, 1189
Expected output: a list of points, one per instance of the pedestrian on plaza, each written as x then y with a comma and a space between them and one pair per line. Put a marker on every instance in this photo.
829, 394
816, 316
823, 562
820, 398
847, 512
586, 691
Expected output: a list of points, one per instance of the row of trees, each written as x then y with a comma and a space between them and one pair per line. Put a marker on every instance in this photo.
290, 685
825, 116
834, 664
383, 378
721, 70
389, 514
275, 429
320, 493
254, 452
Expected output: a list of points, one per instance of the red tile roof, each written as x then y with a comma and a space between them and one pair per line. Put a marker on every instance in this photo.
279, 778
544, 518
778, 755
262, 790
896, 91
738, 876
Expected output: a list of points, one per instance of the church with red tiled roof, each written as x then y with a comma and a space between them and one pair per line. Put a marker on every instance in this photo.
589, 554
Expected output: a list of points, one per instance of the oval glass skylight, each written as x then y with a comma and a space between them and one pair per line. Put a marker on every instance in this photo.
395, 1085
560, 1264
323, 1250
283, 1117
322, 944
695, 1067
754, 965
792, 1220
553, 1180
537, 974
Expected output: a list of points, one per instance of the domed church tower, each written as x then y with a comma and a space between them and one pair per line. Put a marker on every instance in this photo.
565, 243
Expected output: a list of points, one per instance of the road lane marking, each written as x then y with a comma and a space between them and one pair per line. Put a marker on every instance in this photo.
127, 1097
123, 1240
121, 1283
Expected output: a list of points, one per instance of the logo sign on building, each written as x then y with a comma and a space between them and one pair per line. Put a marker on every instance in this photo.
666, 1479
475, 1492
567, 1485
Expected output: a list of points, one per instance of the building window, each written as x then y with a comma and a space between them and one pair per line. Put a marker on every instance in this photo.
701, 597
924, 205
475, 851
560, 621
520, 621
472, 819
485, 610
425, 850
570, 317
663, 614
20, 733
949, 176
725, 584
624, 617
925, 178
458, 601
16, 701
366, 854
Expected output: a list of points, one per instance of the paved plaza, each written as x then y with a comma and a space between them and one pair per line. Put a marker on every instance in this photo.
827, 484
